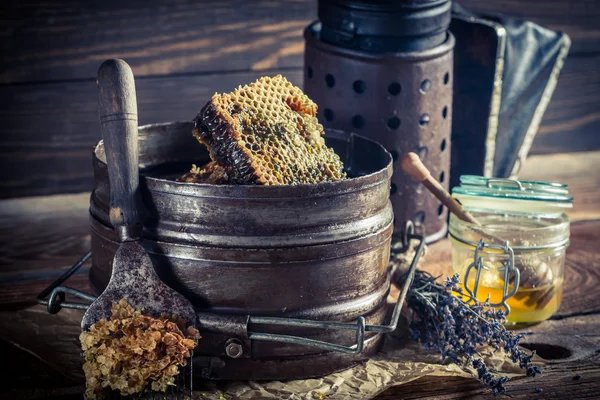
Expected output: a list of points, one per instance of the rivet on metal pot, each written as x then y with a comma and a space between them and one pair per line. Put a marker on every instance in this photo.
233, 348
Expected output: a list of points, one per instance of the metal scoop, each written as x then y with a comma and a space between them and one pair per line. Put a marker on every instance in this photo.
133, 277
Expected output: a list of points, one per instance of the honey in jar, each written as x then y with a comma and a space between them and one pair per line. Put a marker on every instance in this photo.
516, 256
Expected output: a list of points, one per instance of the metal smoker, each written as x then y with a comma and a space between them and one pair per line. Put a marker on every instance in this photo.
384, 69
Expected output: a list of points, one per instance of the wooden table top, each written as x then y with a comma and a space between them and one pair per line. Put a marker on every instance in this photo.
41, 237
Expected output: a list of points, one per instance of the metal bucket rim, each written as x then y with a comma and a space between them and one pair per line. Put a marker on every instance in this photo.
258, 191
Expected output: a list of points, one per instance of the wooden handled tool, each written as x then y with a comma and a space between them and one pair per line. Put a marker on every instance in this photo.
412, 165
119, 123
534, 275
133, 277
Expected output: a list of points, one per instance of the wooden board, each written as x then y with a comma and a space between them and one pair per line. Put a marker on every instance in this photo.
572, 120
48, 130
39, 381
41, 238
68, 39
558, 381
182, 52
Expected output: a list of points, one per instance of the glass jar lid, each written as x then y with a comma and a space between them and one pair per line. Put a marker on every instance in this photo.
480, 193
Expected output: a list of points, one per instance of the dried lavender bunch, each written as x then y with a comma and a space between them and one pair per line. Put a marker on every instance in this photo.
457, 328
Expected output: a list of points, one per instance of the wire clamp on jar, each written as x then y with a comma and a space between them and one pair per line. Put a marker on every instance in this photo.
507, 268
516, 225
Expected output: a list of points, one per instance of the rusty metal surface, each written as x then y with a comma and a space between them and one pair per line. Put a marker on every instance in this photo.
280, 368
287, 215
378, 26
308, 251
401, 100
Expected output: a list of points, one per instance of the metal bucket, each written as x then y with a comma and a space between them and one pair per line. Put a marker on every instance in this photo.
317, 252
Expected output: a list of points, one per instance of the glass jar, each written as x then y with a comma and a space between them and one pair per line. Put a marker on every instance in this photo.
516, 256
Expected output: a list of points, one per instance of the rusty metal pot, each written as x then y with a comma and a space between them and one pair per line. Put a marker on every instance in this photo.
318, 252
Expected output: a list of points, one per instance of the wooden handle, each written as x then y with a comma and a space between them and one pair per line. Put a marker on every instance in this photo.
412, 165
119, 124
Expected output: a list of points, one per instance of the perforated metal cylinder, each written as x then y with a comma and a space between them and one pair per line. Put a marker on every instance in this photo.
401, 100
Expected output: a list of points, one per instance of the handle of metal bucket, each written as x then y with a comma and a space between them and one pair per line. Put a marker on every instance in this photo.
57, 292
507, 269
359, 326
56, 301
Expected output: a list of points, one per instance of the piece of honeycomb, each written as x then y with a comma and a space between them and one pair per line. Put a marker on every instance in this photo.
267, 133
210, 173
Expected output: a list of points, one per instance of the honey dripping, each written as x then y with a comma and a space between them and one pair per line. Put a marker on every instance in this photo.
528, 305
538, 297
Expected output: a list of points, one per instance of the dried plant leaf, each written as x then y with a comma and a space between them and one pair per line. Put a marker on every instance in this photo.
131, 351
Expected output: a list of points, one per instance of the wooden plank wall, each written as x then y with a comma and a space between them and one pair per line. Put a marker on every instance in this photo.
183, 51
